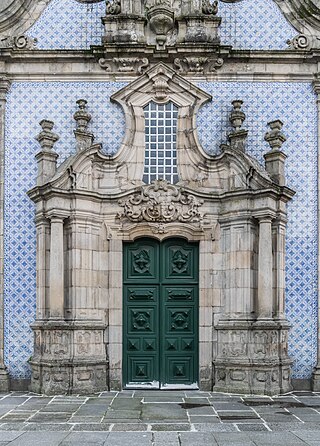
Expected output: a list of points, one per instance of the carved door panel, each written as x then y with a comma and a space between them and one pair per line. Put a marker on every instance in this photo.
160, 314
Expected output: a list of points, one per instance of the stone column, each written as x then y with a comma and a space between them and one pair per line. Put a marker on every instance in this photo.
56, 293
279, 231
265, 282
4, 88
42, 225
316, 371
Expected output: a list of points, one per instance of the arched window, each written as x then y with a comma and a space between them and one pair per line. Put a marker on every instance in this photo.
160, 142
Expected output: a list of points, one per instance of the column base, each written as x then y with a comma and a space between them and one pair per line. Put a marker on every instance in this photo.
315, 380
69, 358
54, 378
4, 380
252, 357
252, 378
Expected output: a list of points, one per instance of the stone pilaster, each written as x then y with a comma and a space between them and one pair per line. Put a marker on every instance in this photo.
279, 243
265, 263
56, 293
4, 88
43, 231
316, 371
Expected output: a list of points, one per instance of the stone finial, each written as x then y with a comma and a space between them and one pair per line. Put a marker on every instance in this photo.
237, 117
82, 118
209, 8
238, 137
275, 138
275, 158
47, 138
47, 157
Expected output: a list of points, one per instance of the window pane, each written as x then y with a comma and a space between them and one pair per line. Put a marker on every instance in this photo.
161, 128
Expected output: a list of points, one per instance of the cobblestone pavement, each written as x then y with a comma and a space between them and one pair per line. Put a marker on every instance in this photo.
155, 418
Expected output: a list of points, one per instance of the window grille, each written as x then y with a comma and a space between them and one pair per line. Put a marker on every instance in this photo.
160, 142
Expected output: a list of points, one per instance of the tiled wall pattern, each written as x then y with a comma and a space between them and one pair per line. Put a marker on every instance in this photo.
294, 104
67, 24
251, 24
28, 103
254, 24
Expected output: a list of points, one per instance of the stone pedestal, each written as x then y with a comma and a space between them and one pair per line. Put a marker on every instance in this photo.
68, 359
252, 358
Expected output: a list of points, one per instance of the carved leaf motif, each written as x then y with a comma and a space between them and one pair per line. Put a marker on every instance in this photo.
113, 7
161, 202
124, 64
198, 64
209, 8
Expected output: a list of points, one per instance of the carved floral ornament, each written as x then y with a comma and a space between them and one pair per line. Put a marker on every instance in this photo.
161, 202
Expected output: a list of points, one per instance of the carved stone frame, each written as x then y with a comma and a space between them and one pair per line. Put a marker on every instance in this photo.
206, 328
161, 84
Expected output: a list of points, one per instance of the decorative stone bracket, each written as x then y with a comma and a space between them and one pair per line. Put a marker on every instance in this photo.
201, 65
136, 65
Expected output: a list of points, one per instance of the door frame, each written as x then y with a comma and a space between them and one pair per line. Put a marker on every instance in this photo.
208, 296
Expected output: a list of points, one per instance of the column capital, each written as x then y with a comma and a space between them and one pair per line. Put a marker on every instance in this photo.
5, 84
55, 217
265, 216
316, 84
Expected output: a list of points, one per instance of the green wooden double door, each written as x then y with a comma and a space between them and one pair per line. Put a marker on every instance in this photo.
160, 323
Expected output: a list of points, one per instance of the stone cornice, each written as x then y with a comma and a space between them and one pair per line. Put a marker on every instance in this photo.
37, 65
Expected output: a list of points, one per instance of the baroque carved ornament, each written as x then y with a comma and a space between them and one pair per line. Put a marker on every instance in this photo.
203, 65
125, 64
161, 202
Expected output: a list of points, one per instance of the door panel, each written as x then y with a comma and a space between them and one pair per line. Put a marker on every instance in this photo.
179, 262
160, 313
142, 262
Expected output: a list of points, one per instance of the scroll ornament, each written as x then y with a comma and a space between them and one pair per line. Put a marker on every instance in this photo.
161, 202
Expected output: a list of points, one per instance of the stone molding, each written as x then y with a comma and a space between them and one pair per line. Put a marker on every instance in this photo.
316, 371
4, 88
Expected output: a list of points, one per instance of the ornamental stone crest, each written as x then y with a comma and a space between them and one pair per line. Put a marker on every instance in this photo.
161, 202
138, 33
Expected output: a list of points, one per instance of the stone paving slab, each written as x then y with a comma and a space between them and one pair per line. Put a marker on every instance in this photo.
155, 418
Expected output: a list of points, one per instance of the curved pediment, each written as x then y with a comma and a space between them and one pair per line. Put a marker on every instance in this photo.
92, 171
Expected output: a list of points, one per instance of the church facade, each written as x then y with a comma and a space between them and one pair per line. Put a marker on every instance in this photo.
159, 195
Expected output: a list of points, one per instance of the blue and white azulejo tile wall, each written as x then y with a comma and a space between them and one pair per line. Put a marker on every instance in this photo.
29, 102
295, 105
249, 24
